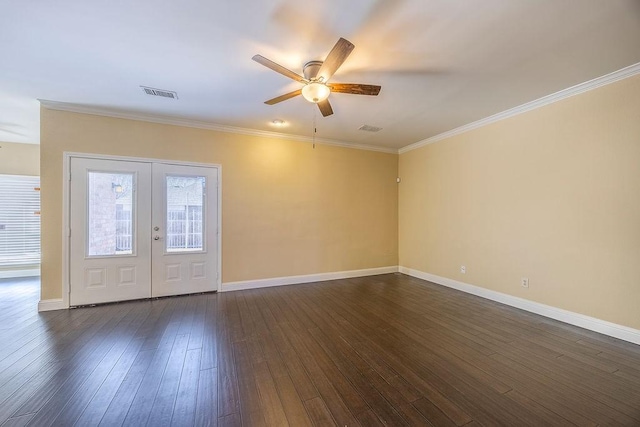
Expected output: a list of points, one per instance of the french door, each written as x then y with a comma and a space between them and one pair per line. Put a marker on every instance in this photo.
141, 229
184, 247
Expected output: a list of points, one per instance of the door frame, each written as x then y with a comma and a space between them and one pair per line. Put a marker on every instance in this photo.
66, 210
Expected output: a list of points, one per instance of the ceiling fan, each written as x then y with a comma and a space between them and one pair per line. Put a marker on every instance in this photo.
316, 88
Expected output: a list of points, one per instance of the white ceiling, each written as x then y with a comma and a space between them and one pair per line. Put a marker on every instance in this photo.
441, 63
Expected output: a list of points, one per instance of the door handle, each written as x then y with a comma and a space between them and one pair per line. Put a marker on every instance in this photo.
156, 237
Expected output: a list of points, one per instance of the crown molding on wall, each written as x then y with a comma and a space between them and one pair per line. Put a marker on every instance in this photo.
96, 111
622, 74
591, 323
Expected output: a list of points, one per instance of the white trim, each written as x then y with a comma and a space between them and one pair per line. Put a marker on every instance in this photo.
66, 226
591, 323
23, 272
66, 289
52, 304
613, 77
308, 278
139, 159
219, 225
96, 111
624, 73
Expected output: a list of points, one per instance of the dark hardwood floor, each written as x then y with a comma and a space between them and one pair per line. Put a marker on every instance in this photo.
383, 350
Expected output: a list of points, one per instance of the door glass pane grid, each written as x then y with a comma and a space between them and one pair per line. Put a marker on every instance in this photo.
110, 227
185, 201
124, 229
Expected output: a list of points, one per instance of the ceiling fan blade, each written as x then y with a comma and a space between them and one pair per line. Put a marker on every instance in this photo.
336, 57
279, 68
283, 97
355, 88
325, 108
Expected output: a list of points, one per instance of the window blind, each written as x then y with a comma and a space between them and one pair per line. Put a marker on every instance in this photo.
19, 220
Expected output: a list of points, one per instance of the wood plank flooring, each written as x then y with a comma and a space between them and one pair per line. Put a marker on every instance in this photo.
383, 350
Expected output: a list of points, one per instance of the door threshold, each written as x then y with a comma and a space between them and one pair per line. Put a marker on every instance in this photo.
141, 299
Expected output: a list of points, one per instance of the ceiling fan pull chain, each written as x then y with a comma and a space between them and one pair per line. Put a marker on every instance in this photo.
315, 130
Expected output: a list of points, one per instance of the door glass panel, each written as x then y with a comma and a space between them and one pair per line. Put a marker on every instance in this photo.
185, 219
111, 212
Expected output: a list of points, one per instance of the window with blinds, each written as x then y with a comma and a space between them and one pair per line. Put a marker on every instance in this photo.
19, 221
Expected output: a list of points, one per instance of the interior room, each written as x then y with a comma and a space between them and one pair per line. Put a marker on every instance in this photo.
274, 213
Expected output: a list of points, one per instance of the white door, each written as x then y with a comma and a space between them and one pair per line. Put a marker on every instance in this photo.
185, 226
141, 229
110, 243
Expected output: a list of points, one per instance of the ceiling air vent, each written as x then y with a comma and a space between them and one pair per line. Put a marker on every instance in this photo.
160, 92
368, 128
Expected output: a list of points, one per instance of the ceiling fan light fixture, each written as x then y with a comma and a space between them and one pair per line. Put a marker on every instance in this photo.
315, 92
316, 75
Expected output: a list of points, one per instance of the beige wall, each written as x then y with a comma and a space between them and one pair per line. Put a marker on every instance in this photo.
552, 194
19, 159
287, 208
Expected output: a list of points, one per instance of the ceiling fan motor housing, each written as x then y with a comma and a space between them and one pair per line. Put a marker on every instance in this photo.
310, 69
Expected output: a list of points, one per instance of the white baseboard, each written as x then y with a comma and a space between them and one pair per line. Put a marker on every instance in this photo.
308, 278
59, 304
591, 323
52, 304
28, 272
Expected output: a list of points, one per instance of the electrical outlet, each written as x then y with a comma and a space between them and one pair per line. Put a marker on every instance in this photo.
463, 269
524, 282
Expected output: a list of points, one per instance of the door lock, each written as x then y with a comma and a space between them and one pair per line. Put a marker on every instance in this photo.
156, 228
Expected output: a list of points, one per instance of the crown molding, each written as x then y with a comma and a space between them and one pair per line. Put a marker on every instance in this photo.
615, 76
621, 74
121, 114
